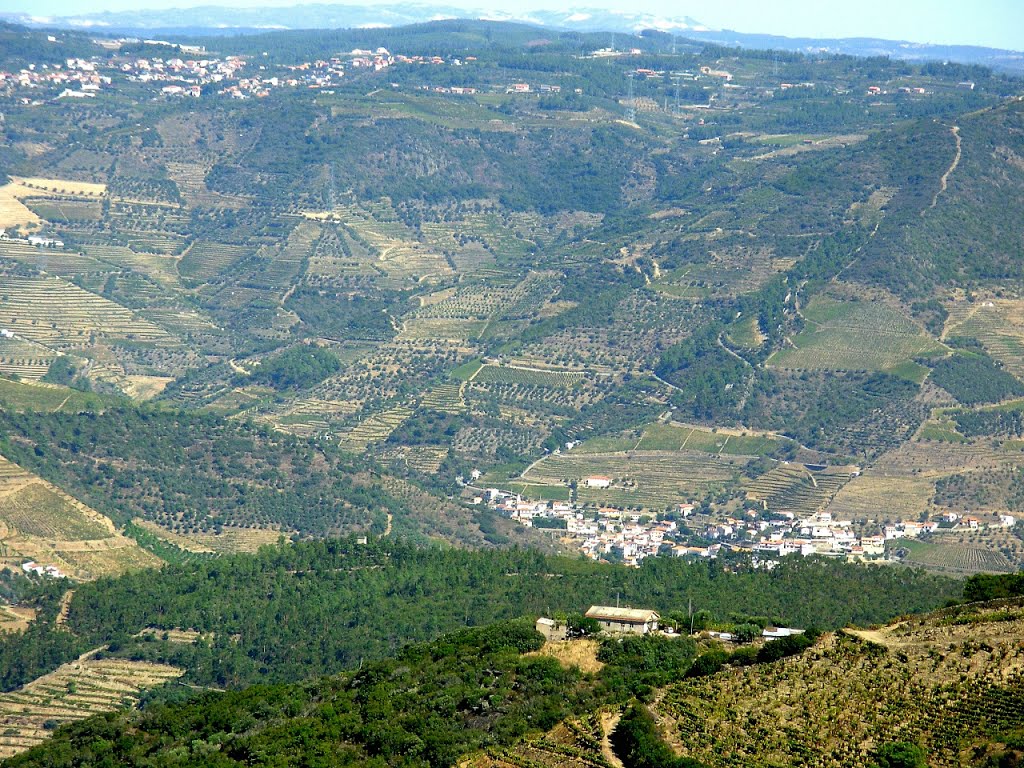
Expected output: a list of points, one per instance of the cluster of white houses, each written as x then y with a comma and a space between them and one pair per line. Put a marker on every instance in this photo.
186, 75
610, 534
49, 571
630, 536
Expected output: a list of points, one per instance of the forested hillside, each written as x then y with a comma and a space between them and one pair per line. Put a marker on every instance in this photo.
497, 696
299, 610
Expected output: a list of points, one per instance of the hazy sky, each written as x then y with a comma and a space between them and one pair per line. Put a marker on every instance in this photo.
995, 23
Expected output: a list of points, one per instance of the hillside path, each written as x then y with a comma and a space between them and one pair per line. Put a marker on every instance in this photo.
65, 608
609, 720
944, 180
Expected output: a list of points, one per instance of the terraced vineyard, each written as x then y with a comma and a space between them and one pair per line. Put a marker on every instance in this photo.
446, 398
649, 479
57, 262
274, 267
950, 554
794, 488
998, 324
881, 497
931, 459
943, 682
232, 539
530, 377
425, 459
674, 437
24, 359
191, 181
73, 692
853, 336
205, 260
575, 743
398, 253
374, 429
160, 267
40, 522
56, 313
311, 416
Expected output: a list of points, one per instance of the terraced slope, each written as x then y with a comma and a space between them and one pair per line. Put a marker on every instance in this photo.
75, 691
40, 522
951, 682
50, 311
947, 682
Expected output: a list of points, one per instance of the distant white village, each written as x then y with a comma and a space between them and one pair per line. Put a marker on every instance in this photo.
630, 536
194, 74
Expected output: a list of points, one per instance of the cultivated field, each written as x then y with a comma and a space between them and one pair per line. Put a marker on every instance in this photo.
998, 324
941, 682
374, 429
52, 261
855, 335
40, 522
24, 359
231, 539
531, 377
36, 396
950, 554
74, 691
874, 496
13, 212
648, 479
56, 313
794, 488
675, 436
205, 259
577, 743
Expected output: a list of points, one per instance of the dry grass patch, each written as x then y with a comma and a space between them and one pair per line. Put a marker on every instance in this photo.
15, 618
231, 540
139, 387
580, 653
877, 497
13, 213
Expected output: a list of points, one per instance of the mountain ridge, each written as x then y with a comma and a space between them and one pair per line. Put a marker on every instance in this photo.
214, 19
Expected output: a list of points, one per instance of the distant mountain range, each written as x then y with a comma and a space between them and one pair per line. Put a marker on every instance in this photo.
214, 19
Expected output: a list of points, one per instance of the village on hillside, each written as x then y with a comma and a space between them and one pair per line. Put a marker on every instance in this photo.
629, 536
196, 74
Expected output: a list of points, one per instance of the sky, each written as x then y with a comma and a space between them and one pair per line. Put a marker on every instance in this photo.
992, 23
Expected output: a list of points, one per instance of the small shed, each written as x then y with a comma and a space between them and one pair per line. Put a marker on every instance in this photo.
551, 628
624, 620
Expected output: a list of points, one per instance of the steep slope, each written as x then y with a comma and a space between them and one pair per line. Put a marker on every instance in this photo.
41, 523
947, 688
952, 682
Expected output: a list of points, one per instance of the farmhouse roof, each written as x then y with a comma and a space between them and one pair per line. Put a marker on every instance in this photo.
624, 615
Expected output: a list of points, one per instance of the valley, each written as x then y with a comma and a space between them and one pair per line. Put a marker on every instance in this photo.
328, 356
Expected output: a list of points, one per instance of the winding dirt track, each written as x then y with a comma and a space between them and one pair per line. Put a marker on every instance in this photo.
944, 180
